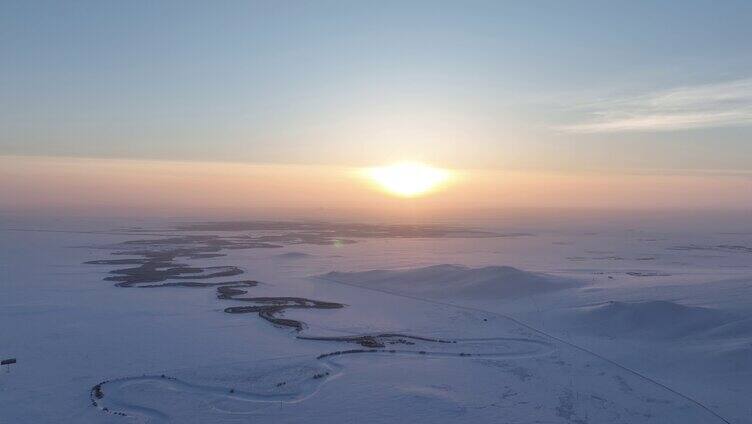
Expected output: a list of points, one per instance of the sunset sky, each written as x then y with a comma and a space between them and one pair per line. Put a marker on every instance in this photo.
156, 107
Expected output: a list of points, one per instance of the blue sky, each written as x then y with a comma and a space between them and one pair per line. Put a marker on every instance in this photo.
663, 85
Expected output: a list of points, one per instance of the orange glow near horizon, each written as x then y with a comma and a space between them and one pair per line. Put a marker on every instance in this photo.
114, 187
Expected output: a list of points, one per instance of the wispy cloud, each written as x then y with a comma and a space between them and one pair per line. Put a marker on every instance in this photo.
700, 106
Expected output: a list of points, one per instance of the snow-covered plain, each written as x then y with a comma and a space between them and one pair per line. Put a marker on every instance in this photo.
413, 324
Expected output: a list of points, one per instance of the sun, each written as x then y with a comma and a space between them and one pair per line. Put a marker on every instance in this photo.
408, 179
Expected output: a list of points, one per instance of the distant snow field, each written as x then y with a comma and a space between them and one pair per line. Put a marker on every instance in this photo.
289, 322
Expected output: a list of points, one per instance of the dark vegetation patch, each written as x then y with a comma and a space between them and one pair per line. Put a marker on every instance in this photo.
159, 262
731, 248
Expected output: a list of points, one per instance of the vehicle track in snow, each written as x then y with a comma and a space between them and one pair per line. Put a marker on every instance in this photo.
547, 335
158, 264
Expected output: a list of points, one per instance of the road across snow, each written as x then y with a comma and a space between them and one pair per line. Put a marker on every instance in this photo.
592, 328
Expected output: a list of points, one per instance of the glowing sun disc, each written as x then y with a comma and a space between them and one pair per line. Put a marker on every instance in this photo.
408, 179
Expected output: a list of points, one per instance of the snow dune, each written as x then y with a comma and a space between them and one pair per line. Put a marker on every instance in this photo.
658, 319
448, 281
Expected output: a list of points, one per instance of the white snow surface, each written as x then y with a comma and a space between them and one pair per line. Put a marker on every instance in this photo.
551, 326
658, 319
